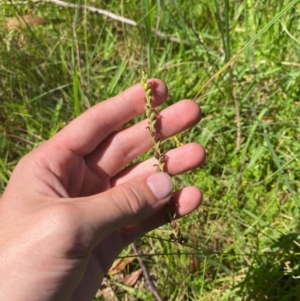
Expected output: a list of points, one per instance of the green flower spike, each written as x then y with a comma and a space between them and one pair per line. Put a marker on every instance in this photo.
151, 114
158, 153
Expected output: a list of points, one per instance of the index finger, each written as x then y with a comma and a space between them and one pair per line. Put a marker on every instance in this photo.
83, 134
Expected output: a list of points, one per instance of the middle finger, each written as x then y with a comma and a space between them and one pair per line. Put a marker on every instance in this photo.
122, 147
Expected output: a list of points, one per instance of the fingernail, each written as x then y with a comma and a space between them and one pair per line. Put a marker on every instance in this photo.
161, 185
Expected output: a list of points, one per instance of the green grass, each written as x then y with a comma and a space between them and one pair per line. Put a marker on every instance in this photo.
243, 241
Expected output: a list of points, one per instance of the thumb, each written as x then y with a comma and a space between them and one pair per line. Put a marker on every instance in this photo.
127, 204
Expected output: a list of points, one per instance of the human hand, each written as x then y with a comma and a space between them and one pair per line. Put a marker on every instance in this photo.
73, 204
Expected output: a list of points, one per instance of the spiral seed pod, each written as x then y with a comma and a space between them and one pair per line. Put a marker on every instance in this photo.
151, 114
159, 154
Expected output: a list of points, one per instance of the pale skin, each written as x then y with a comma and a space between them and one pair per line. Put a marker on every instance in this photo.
72, 205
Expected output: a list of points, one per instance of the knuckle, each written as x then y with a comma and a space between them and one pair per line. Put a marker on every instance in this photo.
130, 200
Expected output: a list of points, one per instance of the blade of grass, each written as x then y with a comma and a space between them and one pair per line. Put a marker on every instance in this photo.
262, 31
280, 170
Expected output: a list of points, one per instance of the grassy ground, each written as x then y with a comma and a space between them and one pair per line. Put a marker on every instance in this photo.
244, 241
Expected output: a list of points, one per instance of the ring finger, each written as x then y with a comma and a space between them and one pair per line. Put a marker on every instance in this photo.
179, 160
